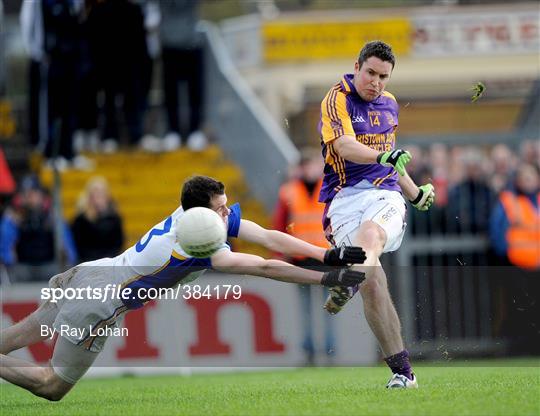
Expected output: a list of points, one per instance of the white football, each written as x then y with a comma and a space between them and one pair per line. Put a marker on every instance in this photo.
200, 232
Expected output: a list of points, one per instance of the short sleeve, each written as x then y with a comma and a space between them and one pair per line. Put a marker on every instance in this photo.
335, 119
234, 220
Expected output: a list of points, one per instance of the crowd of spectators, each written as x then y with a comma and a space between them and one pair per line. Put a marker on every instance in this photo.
35, 244
468, 181
489, 194
91, 70
29, 248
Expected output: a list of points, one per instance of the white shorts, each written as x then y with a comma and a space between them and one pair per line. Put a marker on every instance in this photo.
354, 206
70, 362
78, 320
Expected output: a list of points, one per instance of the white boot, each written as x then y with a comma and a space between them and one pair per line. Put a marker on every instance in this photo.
399, 381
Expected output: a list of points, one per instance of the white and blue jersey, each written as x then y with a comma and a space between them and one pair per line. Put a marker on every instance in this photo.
157, 260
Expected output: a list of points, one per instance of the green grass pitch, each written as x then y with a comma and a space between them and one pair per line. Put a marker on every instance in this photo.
510, 387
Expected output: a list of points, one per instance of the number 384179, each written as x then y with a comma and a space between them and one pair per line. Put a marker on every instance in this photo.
212, 292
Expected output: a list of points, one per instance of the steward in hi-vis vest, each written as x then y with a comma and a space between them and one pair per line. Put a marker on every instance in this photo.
523, 234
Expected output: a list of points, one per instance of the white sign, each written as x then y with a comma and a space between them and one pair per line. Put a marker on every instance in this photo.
477, 32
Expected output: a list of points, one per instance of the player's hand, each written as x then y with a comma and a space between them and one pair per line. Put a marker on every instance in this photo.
342, 277
396, 159
425, 197
343, 256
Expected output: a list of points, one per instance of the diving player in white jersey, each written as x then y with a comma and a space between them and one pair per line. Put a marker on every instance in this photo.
156, 261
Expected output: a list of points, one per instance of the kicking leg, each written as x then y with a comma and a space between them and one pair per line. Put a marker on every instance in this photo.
378, 307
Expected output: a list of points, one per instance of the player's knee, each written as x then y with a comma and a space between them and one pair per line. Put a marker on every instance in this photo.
54, 395
51, 387
372, 236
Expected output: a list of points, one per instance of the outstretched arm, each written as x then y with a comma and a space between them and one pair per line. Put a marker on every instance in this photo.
292, 246
278, 241
240, 263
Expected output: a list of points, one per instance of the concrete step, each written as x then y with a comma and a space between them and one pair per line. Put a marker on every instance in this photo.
146, 187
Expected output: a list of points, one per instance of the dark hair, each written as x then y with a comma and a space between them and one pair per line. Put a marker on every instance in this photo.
379, 50
199, 190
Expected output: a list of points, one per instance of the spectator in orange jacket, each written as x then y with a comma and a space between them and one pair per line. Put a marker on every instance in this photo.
299, 212
515, 237
515, 221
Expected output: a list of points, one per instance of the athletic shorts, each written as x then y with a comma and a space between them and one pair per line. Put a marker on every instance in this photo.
82, 321
70, 362
354, 206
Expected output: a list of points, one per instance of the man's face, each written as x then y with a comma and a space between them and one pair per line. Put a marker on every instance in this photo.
218, 203
312, 170
370, 80
527, 179
33, 199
